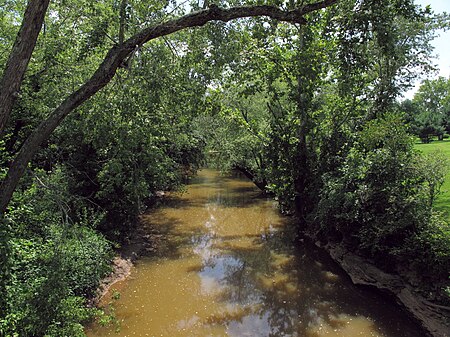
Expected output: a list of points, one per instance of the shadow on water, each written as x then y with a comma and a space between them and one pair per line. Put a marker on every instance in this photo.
236, 198
227, 264
292, 291
226, 191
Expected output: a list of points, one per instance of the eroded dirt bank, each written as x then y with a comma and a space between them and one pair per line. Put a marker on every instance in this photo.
138, 245
435, 319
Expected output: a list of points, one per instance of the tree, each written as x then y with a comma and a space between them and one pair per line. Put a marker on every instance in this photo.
381, 202
117, 57
432, 103
322, 82
19, 57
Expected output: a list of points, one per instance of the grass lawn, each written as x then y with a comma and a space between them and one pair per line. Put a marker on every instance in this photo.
443, 200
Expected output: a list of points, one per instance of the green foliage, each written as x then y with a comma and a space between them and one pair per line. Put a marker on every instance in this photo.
234, 129
101, 168
125, 145
433, 168
72, 311
381, 202
429, 111
54, 264
442, 149
383, 43
298, 108
433, 243
382, 154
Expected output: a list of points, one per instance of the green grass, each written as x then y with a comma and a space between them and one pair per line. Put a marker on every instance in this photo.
443, 200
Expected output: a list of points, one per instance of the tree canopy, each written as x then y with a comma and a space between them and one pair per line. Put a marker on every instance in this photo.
106, 103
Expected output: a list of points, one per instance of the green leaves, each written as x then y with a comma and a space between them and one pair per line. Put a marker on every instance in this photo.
294, 106
381, 203
52, 262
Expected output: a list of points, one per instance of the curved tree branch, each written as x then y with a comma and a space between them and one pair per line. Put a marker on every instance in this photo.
115, 58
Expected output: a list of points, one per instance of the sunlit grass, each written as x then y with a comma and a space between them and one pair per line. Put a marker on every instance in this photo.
443, 200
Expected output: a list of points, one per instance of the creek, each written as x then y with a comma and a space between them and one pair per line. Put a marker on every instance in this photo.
228, 264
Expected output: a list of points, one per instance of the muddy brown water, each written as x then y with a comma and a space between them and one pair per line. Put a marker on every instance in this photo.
228, 265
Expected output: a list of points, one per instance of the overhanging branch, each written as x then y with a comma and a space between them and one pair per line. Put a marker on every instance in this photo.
215, 13
115, 58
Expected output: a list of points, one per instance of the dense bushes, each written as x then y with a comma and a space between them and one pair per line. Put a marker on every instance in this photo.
380, 202
54, 250
83, 187
54, 264
83, 191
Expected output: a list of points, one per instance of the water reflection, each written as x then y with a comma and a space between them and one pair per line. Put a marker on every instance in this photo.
226, 265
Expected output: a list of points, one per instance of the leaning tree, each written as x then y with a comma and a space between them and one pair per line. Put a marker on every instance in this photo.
115, 58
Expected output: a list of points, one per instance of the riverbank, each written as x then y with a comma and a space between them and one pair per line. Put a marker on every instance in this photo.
433, 318
139, 244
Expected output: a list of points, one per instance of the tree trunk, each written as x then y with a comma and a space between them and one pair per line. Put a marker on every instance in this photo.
116, 57
302, 173
123, 19
20, 57
305, 158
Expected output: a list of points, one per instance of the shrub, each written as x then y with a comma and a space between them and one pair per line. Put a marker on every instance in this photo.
53, 263
380, 202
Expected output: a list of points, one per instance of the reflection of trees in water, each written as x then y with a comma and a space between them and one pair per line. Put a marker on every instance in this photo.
268, 284
295, 296
255, 281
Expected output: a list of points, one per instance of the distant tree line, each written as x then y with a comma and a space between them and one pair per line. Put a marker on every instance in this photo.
428, 113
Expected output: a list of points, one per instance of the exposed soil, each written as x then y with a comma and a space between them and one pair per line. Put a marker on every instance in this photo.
121, 270
435, 319
139, 244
